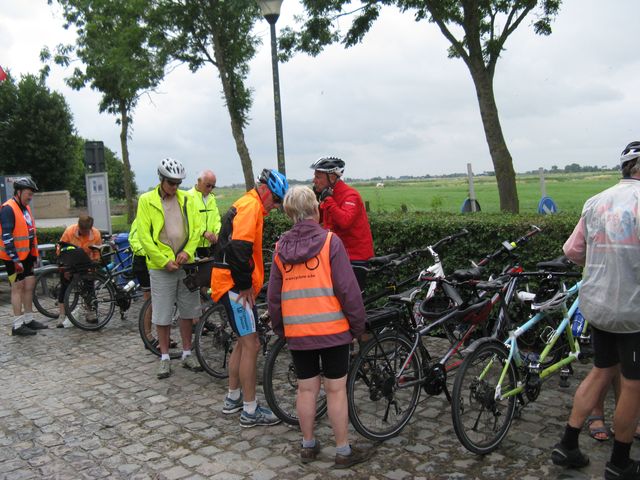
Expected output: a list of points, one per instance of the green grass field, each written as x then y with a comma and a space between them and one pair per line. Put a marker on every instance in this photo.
568, 190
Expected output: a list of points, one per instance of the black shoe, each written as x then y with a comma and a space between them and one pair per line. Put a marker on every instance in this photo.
22, 331
358, 455
632, 472
568, 458
35, 325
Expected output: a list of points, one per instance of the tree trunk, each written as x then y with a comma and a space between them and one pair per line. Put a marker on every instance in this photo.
124, 134
502, 161
236, 121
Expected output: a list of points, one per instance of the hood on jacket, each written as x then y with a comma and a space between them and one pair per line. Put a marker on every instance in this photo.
302, 242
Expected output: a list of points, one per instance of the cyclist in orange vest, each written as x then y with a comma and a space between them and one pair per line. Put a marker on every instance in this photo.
19, 253
315, 302
236, 279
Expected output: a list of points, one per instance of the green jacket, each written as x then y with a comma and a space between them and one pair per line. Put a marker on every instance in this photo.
150, 222
136, 246
208, 214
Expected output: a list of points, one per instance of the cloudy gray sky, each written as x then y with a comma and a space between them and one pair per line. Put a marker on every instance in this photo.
394, 105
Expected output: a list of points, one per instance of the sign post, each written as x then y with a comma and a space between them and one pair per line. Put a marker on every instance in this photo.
98, 200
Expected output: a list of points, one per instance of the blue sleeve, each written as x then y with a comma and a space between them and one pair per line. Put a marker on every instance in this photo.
8, 222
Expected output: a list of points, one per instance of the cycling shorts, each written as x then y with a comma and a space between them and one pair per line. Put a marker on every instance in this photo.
334, 361
28, 264
140, 270
611, 349
241, 318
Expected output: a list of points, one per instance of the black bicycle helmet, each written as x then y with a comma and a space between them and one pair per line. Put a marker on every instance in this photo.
23, 183
329, 165
171, 169
630, 152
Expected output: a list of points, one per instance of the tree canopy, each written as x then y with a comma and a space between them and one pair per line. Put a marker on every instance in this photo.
477, 31
37, 133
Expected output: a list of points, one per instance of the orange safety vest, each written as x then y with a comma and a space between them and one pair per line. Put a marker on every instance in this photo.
20, 233
309, 306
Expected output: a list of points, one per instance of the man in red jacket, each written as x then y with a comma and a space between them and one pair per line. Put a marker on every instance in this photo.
342, 211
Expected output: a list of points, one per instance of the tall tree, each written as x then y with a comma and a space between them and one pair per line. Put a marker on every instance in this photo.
119, 47
218, 33
36, 133
477, 31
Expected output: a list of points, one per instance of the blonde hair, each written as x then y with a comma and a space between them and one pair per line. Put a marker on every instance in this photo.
300, 203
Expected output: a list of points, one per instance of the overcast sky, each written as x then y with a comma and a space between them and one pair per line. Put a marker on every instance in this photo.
394, 105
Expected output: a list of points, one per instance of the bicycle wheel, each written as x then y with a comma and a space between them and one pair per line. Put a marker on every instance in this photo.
280, 385
379, 404
214, 341
480, 420
45, 293
90, 300
149, 333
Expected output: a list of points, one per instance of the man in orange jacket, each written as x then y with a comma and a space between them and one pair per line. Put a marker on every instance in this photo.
19, 253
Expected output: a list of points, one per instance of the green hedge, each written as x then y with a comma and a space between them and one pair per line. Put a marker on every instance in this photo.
400, 232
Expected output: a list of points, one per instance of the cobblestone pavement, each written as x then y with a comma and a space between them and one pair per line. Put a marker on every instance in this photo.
77, 404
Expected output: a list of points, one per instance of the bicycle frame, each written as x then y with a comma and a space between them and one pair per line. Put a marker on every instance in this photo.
514, 353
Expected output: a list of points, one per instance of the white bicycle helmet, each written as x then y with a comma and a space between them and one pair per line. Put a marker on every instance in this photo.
171, 169
630, 152
329, 165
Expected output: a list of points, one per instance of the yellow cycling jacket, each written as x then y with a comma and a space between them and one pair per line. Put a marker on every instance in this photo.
150, 222
208, 215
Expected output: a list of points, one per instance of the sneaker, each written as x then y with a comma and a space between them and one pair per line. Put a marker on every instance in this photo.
190, 362
232, 406
262, 416
164, 370
66, 323
22, 331
358, 455
35, 325
309, 454
632, 472
568, 458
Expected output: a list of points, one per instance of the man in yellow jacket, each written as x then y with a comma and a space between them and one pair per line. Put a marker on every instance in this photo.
168, 230
205, 200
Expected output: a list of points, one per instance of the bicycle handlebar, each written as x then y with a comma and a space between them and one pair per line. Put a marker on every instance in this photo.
507, 247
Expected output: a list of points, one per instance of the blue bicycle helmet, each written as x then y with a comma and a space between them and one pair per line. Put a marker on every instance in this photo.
275, 182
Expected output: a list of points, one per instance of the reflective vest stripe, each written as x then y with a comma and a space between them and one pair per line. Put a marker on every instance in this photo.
307, 293
309, 306
21, 237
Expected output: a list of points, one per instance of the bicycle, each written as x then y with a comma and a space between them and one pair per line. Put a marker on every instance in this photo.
496, 373
96, 288
384, 382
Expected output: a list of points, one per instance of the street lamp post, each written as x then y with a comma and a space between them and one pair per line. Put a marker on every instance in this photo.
271, 11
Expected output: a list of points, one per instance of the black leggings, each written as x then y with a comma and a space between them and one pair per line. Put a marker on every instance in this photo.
335, 362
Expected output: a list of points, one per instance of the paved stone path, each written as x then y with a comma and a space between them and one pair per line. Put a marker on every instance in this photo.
77, 404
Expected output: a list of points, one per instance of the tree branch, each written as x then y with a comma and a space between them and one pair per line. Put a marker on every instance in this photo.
509, 28
439, 21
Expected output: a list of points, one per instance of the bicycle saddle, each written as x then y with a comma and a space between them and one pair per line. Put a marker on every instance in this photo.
473, 273
561, 263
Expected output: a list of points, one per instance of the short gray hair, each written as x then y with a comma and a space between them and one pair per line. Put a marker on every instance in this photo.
300, 203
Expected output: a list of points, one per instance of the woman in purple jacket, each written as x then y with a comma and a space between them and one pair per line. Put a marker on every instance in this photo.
315, 302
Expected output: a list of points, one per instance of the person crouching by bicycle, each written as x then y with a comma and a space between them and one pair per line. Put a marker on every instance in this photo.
82, 235
315, 303
236, 280
606, 241
168, 230
342, 211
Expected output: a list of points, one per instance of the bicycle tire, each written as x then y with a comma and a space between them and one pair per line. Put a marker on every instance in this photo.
90, 292
45, 292
379, 407
214, 341
149, 334
280, 385
480, 421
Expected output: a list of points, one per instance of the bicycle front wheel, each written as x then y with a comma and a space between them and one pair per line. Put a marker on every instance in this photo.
481, 420
149, 332
45, 293
382, 397
214, 341
280, 385
90, 300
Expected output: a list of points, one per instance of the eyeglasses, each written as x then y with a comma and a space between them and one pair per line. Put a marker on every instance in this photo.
173, 183
210, 185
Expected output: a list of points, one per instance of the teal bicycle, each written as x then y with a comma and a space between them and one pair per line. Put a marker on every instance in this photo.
496, 375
